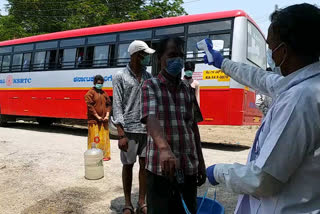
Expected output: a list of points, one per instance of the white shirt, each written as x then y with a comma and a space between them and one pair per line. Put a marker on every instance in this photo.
282, 174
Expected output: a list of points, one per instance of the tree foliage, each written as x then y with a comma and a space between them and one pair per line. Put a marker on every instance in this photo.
32, 17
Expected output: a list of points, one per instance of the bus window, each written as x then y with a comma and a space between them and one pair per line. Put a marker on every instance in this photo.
20, 48
51, 59
72, 42
6, 63
141, 35
210, 26
7, 49
17, 62
226, 39
80, 58
26, 61
112, 55
169, 30
256, 50
39, 59
192, 51
1, 57
101, 56
123, 54
102, 39
68, 58
89, 56
47, 45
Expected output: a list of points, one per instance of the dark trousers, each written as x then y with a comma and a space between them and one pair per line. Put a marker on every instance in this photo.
163, 196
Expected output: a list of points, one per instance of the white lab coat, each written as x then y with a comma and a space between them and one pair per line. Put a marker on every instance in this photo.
282, 174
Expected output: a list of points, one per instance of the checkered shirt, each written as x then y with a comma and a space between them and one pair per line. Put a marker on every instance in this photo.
176, 109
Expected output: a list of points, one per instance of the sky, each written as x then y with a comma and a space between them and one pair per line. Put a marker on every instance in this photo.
259, 10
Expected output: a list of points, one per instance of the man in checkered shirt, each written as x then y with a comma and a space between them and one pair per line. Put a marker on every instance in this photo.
171, 112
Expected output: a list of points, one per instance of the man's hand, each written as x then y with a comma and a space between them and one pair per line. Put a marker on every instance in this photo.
168, 162
202, 175
123, 144
100, 119
106, 119
216, 55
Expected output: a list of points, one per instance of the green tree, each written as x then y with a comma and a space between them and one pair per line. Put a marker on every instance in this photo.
10, 29
31, 17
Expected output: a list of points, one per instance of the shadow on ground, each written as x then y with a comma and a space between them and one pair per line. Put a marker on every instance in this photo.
224, 147
56, 128
80, 130
70, 200
117, 204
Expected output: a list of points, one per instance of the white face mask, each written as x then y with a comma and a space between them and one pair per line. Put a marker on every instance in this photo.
276, 69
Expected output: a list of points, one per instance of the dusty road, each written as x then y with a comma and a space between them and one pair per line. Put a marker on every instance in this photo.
42, 171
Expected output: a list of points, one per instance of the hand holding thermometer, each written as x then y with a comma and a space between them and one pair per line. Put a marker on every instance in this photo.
212, 57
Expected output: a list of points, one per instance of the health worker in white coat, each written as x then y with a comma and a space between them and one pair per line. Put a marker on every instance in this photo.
282, 174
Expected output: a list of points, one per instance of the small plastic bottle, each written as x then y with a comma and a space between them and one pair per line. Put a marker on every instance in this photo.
93, 163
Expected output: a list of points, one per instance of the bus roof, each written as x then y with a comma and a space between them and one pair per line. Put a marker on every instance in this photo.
136, 25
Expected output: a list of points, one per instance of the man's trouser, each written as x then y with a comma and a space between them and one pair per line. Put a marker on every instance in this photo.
163, 196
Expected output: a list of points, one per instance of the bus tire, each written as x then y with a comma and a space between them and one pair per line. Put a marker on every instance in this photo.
3, 121
45, 122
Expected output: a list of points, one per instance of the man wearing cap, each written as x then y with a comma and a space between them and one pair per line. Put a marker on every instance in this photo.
126, 115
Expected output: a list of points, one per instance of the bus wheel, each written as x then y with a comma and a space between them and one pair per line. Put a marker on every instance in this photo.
45, 122
3, 120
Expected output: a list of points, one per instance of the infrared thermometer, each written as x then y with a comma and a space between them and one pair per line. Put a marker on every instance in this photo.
204, 45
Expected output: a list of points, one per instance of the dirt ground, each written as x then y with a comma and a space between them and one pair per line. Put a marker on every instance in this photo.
229, 135
42, 170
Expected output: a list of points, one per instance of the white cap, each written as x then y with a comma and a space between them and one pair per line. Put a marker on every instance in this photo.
138, 45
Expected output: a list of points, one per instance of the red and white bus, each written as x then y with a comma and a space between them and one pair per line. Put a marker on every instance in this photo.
46, 76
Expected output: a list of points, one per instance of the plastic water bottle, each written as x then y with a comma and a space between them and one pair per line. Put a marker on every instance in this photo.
93, 163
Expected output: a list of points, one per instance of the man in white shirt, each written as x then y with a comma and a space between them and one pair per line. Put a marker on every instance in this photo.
283, 170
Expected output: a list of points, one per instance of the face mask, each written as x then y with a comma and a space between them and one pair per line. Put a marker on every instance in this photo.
188, 73
98, 86
174, 66
146, 60
276, 69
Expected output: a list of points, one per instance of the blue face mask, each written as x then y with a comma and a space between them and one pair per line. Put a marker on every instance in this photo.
188, 73
146, 60
98, 86
174, 66
276, 69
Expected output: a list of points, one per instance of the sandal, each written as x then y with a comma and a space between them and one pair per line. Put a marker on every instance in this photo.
128, 208
140, 209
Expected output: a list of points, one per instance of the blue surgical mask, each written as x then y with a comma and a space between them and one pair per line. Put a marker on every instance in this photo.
98, 86
270, 61
146, 60
276, 69
188, 73
175, 66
